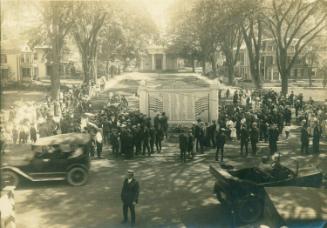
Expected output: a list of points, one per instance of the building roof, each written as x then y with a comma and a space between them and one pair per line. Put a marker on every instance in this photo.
14, 46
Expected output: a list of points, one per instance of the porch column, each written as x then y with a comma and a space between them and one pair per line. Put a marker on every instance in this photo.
141, 64
153, 65
164, 61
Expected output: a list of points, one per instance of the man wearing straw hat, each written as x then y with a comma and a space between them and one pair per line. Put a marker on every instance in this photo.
129, 196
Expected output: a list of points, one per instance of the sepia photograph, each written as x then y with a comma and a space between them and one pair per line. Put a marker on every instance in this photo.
163, 113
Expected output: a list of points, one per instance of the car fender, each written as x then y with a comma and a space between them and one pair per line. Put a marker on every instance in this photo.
17, 171
77, 165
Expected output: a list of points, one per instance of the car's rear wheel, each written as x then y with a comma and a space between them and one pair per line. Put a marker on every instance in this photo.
77, 176
9, 178
250, 210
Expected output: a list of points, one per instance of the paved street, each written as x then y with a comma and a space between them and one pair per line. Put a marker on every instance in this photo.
172, 194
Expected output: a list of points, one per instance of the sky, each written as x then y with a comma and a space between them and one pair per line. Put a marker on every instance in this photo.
158, 9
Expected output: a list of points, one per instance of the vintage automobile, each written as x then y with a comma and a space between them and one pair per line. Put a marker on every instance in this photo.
53, 158
241, 189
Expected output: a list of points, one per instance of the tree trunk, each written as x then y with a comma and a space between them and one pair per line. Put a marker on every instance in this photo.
203, 67
86, 68
214, 66
230, 72
55, 81
255, 76
310, 76
55, 74
284, 82
193, 64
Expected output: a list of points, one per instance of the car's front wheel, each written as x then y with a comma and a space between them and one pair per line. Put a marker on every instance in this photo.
9, 178
249, 210
77, 176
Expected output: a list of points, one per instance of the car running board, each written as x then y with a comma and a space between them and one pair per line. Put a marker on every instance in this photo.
48, 179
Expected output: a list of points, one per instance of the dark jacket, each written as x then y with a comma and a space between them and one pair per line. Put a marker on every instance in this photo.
220, 139
304, 135
244, 135
130, 191
190, 142
183, 142
254, 134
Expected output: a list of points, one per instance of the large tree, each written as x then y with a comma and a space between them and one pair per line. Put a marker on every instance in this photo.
293, 25
89, 20
206, 19
250, 12
56, 22
183, 39
126, 33
230, 35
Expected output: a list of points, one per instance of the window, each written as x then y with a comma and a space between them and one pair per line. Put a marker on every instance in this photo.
35, 56
4, 74
3, 58
269, 60
26, 72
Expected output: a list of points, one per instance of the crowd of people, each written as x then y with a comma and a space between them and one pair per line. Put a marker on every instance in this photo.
246, 116
28, 121
129, 133
251, 117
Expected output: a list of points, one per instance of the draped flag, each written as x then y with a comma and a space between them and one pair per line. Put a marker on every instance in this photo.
155, 104
201, 105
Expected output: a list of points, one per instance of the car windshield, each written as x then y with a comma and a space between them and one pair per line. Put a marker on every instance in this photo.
252, 174
264, 174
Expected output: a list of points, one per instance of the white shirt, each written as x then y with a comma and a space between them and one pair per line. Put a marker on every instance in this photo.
98, 137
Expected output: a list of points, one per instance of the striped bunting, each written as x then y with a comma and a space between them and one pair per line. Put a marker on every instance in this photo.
201, 105
155, 104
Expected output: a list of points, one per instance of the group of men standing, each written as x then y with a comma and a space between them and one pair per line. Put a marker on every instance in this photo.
132, 133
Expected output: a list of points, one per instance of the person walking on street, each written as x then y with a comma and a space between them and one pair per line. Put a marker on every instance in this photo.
99, 141
129, 196
316, 138
244, 135
152, 138
146, 141
164, 124
114, 139
190, 145
33, 134
14, 135
304, 139
254, 138
220, 144
273, 134
183, 146
159, 138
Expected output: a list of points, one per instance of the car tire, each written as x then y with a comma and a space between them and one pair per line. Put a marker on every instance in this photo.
249, 210
9, 178
77, 176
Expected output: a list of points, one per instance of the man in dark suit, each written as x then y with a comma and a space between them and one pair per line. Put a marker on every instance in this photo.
254, 138
273, 134
129, 196
220, 143
244, 135
316, 138
183, 145
304, 139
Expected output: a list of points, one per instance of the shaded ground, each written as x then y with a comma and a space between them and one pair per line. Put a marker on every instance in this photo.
172, 195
